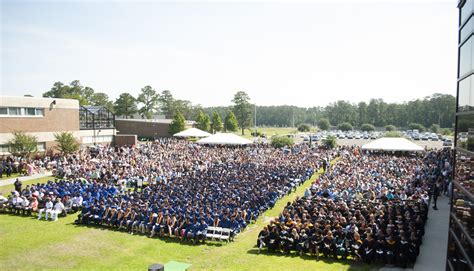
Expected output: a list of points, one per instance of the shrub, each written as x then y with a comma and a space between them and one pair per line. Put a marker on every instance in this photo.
330, 142
281, 141
304, 127
434, 128
324, 124
416, 126
446, 131
367, 127
345, 126
390, 128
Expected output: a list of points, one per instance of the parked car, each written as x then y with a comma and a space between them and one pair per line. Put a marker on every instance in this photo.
448, 143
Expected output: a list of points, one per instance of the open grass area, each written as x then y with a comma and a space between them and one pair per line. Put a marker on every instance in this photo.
270, 131
31, 244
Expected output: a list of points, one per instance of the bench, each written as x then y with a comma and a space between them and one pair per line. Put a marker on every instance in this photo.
219, 234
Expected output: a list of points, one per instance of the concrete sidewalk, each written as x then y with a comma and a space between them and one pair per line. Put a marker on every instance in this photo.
25, 178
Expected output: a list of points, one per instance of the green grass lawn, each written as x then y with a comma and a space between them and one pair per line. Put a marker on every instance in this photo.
30, 244
270, 131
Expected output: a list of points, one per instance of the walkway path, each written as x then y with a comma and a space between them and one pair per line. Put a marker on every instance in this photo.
25, 178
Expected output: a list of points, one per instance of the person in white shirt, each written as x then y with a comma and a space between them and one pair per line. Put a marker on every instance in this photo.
58, 208
47, 209
25, 204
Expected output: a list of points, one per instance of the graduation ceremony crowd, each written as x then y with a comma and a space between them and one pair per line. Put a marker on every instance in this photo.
369, 206
189, 187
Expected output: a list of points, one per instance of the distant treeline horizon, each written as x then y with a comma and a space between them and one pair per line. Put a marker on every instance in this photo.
437, 109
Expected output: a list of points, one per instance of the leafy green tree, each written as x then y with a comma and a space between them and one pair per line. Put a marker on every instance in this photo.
216, 125
304, 127
330, 142
281, 141
167, 103
66, 142
324, 124
416, 126
72, 91
102, 99
203, 121
390, 128
242, 109
434, 128
23, 144
149, 98
230, 122
367, 127
125, 105
362, 110
345, 126
185, 107
178, 124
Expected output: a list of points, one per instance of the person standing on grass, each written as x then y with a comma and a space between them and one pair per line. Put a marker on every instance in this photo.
17, 185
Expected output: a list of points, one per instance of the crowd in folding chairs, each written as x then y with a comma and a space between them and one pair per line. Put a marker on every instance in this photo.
190, 187
370, 207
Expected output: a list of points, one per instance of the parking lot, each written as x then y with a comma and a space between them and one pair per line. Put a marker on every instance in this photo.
359, 142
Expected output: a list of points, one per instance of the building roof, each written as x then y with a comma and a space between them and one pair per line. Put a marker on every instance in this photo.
224, 139
192, 132
392, 144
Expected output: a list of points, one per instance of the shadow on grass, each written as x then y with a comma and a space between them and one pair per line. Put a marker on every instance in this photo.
165, 239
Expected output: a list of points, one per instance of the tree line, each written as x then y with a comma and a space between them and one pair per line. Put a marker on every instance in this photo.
437, 109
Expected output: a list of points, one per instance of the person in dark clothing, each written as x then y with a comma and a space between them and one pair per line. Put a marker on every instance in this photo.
17, 185
436, 191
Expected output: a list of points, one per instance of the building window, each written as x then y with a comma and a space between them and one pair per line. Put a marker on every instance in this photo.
14, 111
467, 10
30, 111
39, 111
19, 111
467, 29
466, 94
465, 58
465, 132
4, 148
41, 146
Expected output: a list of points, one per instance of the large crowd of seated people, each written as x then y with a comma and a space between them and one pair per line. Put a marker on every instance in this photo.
191, 187
369, 206
53, 198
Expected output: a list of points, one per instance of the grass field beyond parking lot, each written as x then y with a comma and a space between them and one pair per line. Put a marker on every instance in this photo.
27, 243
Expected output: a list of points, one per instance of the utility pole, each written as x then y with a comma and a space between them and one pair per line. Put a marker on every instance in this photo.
255, 120
293, 118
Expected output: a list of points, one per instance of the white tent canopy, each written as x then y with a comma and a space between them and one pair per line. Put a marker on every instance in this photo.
192, 132
224, 139
392, 144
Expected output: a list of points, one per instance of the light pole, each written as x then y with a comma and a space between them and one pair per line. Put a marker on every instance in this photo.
255, 121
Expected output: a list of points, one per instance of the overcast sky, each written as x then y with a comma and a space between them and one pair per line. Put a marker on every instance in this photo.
304, 54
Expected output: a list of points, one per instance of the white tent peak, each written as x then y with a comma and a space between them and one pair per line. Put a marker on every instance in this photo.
392, 144
192, 132
224, 139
